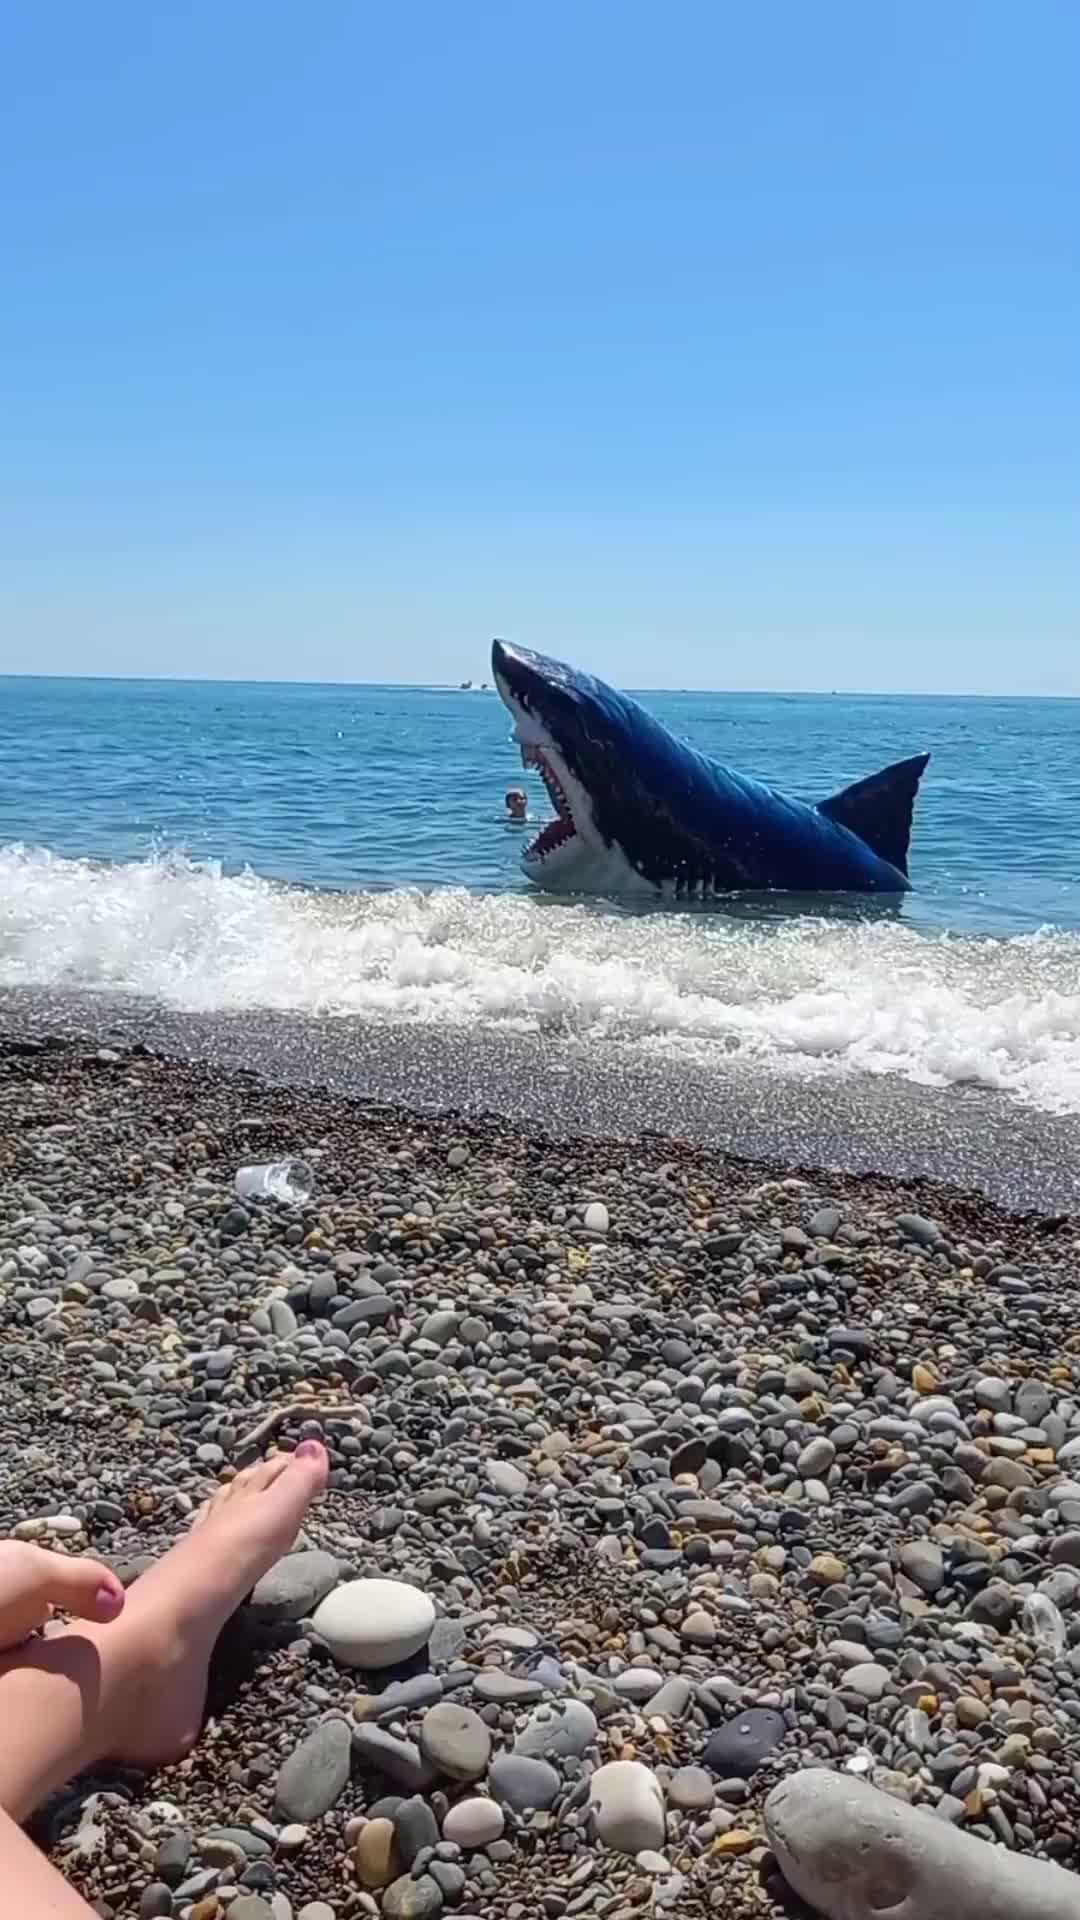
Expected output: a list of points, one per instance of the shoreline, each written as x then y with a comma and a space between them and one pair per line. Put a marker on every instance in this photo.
1021, 1159
693, 1443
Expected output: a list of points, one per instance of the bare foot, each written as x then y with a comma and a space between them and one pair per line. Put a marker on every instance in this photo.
33, 1581
176, 1611
134, 1690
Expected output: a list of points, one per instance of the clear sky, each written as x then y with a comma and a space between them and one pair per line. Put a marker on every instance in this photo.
706, 343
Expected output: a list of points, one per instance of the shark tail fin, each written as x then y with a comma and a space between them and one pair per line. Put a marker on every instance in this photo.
878, 810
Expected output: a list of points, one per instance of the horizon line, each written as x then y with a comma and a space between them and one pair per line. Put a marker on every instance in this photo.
454, 686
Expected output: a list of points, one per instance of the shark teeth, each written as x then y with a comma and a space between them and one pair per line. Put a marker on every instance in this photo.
562, 828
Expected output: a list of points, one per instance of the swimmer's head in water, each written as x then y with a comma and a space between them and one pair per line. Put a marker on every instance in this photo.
516, 804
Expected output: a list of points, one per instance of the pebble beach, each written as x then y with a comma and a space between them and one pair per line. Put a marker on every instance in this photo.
679, 1476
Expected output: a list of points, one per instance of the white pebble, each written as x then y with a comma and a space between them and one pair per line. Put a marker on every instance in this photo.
628, 1807
374, 1623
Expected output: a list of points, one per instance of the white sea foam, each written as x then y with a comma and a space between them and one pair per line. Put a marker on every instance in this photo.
819, 996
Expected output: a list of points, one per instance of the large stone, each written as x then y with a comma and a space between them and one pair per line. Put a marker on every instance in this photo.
526, 1786
294, 1586
376, 1854
398, 1760
474, 1823
410, 1899
416, 1828
924, 1564
853, 1853
737, 1749
315, 1774
627, 1807
374, 1623
456, 1741
557, 1732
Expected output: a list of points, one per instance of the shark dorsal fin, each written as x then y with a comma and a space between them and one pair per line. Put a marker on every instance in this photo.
878, 810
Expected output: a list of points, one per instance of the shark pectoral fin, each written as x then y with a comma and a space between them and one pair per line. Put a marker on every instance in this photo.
879, 809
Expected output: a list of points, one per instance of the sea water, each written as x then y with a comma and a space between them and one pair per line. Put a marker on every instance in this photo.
342, 851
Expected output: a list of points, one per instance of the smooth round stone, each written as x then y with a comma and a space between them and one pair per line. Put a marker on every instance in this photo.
627, 1807
416, 1828
691, 1790
410, 1899
456, 1741
315, 1775
816, 1458
867, 1679
852, 1852
294, 1586
557, 1732
699, 1629
474, 1823
522, 1784
374, 1623
506, 1478
503, 1689
399, 1760
637, 1683
924, 1564
376, 1854
596, 1217
738, 1749
123, 1288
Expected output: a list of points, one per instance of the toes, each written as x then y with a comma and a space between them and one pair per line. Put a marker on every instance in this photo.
299, 1477
263, 1475
82, 1587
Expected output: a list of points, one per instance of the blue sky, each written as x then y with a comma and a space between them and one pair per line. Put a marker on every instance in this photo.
706, 344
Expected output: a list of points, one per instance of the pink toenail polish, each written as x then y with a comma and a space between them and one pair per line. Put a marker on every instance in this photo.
308, 1450
110, 1600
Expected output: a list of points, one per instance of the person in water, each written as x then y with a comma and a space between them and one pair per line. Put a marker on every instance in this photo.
125, 1681
517, 807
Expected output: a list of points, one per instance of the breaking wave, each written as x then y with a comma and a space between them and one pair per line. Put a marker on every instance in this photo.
807, 992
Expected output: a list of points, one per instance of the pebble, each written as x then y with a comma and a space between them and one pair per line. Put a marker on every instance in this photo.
456, 1741
400, 1760
374, 1623
850, 1851
474, 1823
763, 1458
740, 1747
376, 1854
315, 1775
415, 1828
558, 1732
523, 1784
294, 1587
155, 1901
627, 1806
409, 1899
691, 1789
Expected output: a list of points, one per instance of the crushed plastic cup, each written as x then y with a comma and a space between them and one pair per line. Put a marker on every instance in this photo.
289, 1181
1044, 1624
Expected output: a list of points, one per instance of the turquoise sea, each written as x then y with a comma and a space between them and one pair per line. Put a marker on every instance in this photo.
339, 852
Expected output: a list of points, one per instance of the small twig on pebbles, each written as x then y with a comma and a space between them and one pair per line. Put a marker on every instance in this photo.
253, 1442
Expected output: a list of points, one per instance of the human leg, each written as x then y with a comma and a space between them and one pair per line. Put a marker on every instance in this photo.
133, 1690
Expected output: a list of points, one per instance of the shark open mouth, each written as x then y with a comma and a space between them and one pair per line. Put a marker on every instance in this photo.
558, 831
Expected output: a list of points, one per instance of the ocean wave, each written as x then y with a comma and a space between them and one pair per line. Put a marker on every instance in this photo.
808, 993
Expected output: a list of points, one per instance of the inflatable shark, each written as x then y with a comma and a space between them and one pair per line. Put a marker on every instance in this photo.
640, 813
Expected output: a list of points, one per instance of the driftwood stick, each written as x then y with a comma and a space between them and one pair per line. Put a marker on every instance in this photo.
277, 1417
